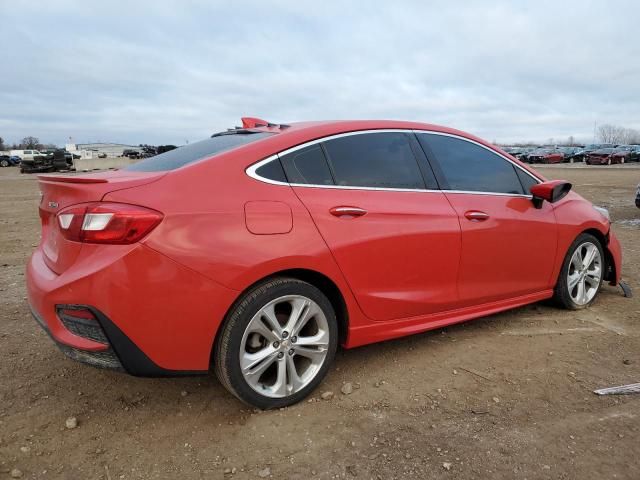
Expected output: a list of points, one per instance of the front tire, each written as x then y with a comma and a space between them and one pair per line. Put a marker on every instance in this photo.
277, 343
581, 275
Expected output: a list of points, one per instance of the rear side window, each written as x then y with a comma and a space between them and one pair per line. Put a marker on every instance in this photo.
195, 151
380, 160
307, 166
273, 171
469, 167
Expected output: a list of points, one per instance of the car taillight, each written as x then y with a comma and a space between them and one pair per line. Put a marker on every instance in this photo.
113, 223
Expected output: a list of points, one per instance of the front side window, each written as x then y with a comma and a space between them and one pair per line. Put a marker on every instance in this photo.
466, 166
379, 160
526, 180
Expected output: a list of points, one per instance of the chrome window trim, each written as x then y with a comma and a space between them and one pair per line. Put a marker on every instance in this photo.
251, 170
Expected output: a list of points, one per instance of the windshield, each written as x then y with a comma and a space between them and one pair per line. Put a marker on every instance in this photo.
195, 151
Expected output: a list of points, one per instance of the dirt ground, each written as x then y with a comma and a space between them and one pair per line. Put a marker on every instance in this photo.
507, 396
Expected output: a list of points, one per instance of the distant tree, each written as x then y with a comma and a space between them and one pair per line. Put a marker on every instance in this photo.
631, 136
2, 143
571, 141
30, 143
608, 133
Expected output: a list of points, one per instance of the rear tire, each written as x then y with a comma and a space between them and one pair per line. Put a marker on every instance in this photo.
277, 343
581, 275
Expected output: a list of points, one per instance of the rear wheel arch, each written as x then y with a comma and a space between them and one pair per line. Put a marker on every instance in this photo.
327, 286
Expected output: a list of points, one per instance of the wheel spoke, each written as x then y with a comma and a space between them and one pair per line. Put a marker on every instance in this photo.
269, 315
280, 387
593, 280
295, 382
573, 280
320, 339
579, 298
314, 354
301, 312
253, 365
595, 271
258, 326
576, 260
589, 256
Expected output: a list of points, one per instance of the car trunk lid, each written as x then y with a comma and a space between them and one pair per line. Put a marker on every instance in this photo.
61, 191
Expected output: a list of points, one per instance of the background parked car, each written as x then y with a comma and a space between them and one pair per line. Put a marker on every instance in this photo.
602, 157
9, 161
570, 153
627, 153
25, 154
131, 153
59, 160
545, 155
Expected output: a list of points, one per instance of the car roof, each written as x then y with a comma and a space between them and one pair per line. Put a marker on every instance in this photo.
292, 134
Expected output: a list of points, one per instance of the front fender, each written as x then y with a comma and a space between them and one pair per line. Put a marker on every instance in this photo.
614, 260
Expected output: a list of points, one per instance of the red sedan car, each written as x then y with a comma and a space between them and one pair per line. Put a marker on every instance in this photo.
546, 155
604, 156
258, 251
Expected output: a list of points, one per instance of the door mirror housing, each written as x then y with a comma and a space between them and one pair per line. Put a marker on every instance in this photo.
551, 191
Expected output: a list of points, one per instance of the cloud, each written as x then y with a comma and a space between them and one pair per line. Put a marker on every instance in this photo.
166, 72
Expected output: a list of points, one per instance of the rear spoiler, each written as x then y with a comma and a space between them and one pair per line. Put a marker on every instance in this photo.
71, 179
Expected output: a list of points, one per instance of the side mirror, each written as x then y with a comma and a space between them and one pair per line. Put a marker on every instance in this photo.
551, 191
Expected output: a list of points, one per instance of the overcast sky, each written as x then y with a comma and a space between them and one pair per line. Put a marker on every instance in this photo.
167, 72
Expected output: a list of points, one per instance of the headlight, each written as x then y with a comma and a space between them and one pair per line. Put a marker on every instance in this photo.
604, 212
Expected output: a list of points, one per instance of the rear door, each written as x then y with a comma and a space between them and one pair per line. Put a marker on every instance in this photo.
393, 234
508, 245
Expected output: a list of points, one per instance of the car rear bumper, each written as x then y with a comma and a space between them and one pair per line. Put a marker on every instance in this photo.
159, 317
105, 358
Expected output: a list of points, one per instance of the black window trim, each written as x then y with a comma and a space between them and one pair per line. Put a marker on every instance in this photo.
251, 170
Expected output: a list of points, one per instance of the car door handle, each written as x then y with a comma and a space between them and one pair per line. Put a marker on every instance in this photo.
347, 211
476, 216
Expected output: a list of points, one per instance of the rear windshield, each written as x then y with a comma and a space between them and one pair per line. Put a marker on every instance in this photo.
195, 151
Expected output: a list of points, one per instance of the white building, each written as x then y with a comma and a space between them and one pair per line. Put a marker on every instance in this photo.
91, 150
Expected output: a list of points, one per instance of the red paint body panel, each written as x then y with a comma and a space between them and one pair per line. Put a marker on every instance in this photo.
268, 218
516, 241
162, 306
412, 262
575, 215
391, 254
615, 249
381, 331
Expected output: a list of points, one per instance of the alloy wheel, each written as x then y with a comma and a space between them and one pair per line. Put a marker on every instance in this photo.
284, 346
585, 273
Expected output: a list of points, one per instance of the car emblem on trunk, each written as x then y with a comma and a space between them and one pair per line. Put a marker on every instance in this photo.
53, 204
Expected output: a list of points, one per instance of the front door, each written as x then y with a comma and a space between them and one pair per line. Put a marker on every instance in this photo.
508, 245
